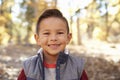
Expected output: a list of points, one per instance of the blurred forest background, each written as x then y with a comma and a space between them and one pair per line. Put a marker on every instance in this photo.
95, 26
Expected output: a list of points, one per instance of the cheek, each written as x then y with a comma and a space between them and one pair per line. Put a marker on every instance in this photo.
38, 42
64, 40
43, 40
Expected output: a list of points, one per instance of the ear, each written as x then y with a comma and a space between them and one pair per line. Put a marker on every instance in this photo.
36, 36
69, 37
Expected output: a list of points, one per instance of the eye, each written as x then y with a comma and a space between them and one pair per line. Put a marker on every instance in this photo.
60, 32
46, 33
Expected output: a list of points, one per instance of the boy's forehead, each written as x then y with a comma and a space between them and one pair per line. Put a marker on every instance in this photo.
53, 23
52, 20
53, 28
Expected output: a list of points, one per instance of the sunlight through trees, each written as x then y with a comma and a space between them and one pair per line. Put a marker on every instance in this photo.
95, 19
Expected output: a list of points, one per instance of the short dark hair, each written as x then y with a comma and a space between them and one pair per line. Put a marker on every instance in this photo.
51, 13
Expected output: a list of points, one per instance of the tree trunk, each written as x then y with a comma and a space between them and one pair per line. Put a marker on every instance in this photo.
78, 30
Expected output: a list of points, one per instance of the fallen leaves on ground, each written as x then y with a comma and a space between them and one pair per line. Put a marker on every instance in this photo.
97, 66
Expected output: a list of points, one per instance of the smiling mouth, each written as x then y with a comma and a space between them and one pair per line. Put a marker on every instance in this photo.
54, 46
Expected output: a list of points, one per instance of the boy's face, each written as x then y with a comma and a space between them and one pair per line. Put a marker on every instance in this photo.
53, 36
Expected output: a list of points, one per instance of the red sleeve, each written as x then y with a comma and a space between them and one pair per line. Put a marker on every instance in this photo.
84, 76
22, 75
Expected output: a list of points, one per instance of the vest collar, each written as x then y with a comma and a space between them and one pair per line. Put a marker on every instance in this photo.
63, 56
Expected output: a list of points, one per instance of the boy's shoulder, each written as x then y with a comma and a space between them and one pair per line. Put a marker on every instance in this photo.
75, 63
76, 57
28, 60
76, 60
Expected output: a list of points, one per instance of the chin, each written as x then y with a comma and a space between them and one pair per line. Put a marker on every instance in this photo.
54, 53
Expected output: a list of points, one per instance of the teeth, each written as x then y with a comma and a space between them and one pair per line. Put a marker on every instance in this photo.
53, 46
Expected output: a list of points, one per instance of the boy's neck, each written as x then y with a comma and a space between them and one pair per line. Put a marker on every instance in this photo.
50, 59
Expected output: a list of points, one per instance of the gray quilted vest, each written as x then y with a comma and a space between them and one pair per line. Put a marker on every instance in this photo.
68, 67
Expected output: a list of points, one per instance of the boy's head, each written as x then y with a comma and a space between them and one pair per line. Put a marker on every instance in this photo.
52, 32
51, 13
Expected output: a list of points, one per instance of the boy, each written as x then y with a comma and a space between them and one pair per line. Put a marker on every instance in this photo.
53, 61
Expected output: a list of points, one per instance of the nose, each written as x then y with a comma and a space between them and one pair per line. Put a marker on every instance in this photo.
53, 37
